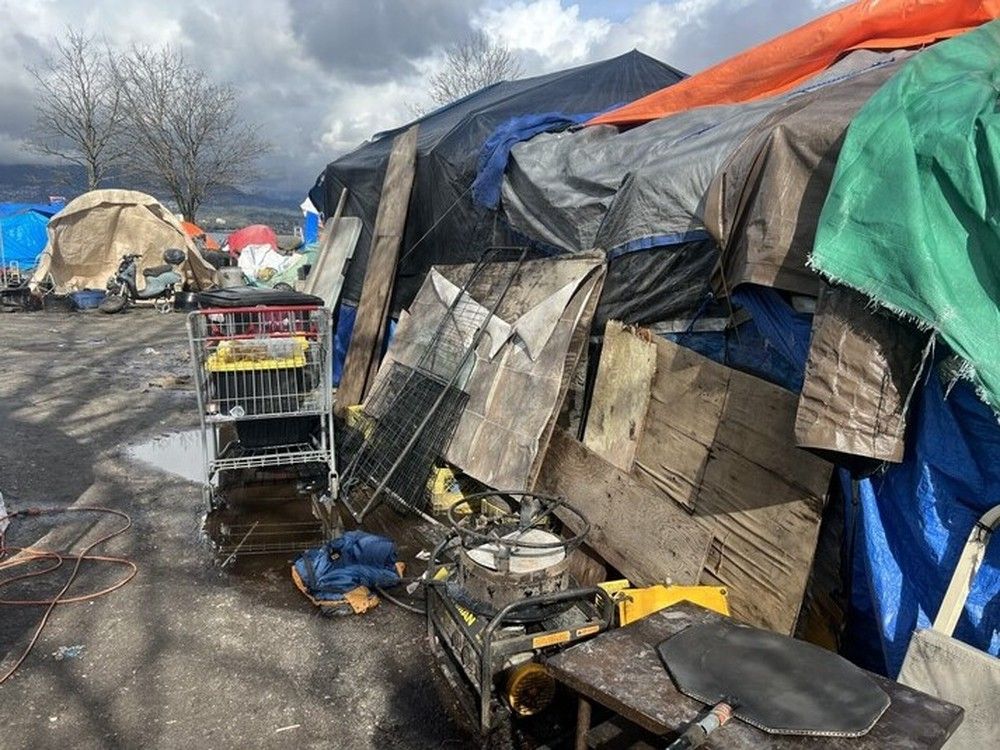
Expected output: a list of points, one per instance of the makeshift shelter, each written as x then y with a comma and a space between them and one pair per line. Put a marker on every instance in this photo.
441, 211
22, 232
639, 194
87, 239
787, 61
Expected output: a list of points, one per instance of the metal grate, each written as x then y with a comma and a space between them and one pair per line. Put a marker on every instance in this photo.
414, 410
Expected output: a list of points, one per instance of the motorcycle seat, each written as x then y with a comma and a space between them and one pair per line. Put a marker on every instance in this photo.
157, 270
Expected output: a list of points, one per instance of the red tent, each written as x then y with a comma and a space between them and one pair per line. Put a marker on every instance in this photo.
255, 234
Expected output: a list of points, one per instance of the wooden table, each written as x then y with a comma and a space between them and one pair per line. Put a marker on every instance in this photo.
621, 670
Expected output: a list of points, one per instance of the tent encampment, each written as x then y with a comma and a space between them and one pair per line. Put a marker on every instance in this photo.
87, 239
442, 214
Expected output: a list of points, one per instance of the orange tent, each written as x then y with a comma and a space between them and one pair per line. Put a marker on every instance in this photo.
788, 60
194, 232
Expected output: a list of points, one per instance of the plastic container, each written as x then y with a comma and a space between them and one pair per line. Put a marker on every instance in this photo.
268, 433
88, 299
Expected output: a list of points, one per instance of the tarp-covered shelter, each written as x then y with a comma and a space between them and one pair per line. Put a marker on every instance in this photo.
450, 140
639, 194
787, 61
22, 231
761, 191
87, 239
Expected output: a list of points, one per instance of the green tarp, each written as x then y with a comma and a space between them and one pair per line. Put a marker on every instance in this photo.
912, 219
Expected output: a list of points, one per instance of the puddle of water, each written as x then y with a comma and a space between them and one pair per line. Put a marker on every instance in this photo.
177, 453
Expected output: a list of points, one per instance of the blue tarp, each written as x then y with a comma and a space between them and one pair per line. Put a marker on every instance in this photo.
912, 522
22, 231
781, 326
496, 150
743, 348
342, 338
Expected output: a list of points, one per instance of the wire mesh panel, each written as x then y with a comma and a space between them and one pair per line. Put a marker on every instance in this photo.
414, 411
392, 427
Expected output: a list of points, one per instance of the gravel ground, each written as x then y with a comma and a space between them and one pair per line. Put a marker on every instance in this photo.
186, 655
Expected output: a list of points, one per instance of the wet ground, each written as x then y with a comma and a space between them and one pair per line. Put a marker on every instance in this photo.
187, 654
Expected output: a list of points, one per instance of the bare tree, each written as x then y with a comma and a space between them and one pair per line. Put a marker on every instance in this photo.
79, 108
474, 63
184, 131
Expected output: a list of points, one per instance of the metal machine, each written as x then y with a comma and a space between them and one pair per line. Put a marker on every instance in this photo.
500, 597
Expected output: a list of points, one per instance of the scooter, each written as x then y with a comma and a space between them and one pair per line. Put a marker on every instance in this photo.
161, 283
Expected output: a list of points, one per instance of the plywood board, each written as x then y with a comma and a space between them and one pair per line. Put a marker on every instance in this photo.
637, 530
720, 444
327, 275
363, 353
621, 394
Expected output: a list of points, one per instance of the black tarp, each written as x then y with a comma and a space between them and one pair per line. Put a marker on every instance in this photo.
449, 142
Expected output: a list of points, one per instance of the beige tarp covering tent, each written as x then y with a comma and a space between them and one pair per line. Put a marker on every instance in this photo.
88, 238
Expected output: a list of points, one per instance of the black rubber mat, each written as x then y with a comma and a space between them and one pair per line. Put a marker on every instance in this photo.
776, 683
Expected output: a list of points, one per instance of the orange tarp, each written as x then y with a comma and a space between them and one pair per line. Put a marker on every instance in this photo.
194, 231
791, 59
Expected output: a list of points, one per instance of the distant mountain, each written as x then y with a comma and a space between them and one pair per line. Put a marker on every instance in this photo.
35, 183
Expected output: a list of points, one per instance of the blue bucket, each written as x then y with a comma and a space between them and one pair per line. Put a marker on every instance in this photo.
88, 299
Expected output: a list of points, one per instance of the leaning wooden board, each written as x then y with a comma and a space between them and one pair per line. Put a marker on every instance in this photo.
363, 352
648, 538
720, 444
621, 394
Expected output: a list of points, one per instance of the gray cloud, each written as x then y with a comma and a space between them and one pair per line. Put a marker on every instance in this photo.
370, 41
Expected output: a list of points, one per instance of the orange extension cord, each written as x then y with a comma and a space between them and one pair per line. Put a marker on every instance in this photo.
30, 554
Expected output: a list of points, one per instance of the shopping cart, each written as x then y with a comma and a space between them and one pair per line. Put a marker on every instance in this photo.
263, 380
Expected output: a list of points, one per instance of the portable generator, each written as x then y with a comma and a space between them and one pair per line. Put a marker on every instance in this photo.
500, 597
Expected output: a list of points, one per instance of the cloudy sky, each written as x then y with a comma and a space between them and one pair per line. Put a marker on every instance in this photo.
320, 76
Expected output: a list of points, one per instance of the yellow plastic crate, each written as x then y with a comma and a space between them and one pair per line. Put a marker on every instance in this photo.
245, 355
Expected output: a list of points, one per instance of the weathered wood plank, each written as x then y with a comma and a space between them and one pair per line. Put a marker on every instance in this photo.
363, 353
621, 394
721, 444
635, 529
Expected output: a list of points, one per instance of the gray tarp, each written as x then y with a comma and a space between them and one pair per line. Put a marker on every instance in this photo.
620, 191
763, 205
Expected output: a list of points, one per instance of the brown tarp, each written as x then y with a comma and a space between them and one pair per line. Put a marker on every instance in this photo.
88, 238
763, 205
861, 370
